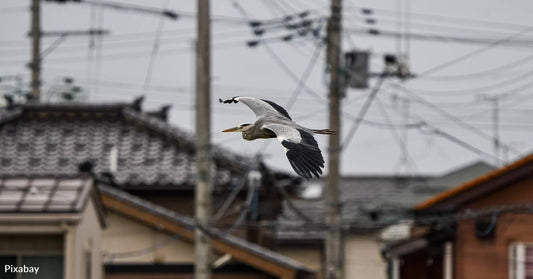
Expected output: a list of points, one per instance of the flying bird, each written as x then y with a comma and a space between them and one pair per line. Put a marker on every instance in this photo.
273, 121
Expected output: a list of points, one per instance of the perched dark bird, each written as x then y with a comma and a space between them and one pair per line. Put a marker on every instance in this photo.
273, 121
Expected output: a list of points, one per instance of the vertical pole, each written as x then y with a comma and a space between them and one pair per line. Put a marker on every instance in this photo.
203, 148
333, 264
405, 134
495, 123
35, 64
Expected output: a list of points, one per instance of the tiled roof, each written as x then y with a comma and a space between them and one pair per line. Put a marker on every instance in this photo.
56, 138
358, 197
44, 194
362, 196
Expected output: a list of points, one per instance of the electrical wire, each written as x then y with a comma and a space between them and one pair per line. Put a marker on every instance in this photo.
301, 84
454, 118
362, 112
98, 50
155, 48
463, 29
402, 144
474, 53
476, 90
442, 18
511, 42
487, 72
277, 59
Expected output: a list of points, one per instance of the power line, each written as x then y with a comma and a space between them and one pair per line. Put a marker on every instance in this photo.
464, 30
277, 59
474, 53
453, 117
301, 83
401, 142
449, 19
477, 90
362, 113
155, 49
486, 72
440, 37
436, 131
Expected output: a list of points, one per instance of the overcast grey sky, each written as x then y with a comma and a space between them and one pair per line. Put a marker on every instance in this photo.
117, 67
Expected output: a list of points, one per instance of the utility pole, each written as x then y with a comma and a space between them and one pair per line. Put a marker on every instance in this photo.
334, 266
35, 64
202, 242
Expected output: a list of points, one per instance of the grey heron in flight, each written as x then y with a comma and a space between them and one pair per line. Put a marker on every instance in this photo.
273, 121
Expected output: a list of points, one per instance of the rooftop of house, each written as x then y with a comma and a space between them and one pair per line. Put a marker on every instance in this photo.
44, 194
139, 148
57, 196
482, 183
116, 199
370, 202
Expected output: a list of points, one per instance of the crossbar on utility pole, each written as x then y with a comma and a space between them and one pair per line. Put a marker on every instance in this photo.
334, 266
202, 244
35, 64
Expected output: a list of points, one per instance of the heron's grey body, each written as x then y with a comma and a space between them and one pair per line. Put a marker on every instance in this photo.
273, 121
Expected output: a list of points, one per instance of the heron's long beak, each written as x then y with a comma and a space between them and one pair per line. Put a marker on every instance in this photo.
234, 129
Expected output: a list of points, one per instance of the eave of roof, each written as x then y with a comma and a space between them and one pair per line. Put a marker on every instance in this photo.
92, 193
473, 183
254, 255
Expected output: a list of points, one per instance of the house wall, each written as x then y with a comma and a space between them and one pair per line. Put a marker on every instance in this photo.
363, 257
182, 202
310, 256
488, 258
87, 241
31, 244
125, 235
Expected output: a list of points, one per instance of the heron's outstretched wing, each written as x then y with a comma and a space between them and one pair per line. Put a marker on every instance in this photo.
301, 149
260, 107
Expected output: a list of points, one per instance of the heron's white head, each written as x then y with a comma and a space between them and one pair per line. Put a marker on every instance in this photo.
239, 128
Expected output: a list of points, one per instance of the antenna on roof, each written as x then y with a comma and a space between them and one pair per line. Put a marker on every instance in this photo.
113, 159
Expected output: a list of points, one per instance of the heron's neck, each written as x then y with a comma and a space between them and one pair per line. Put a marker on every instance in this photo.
248, 133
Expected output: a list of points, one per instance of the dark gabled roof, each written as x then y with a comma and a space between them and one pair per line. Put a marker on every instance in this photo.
223, 242
56, 138
371, 202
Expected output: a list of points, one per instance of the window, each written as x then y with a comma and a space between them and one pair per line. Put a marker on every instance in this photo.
50, 267
88, 264
7, 260
521, 261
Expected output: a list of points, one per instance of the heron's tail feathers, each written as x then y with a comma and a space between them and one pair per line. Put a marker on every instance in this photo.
324, 132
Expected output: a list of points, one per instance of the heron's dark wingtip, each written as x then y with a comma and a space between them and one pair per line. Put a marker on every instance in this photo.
228, 101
